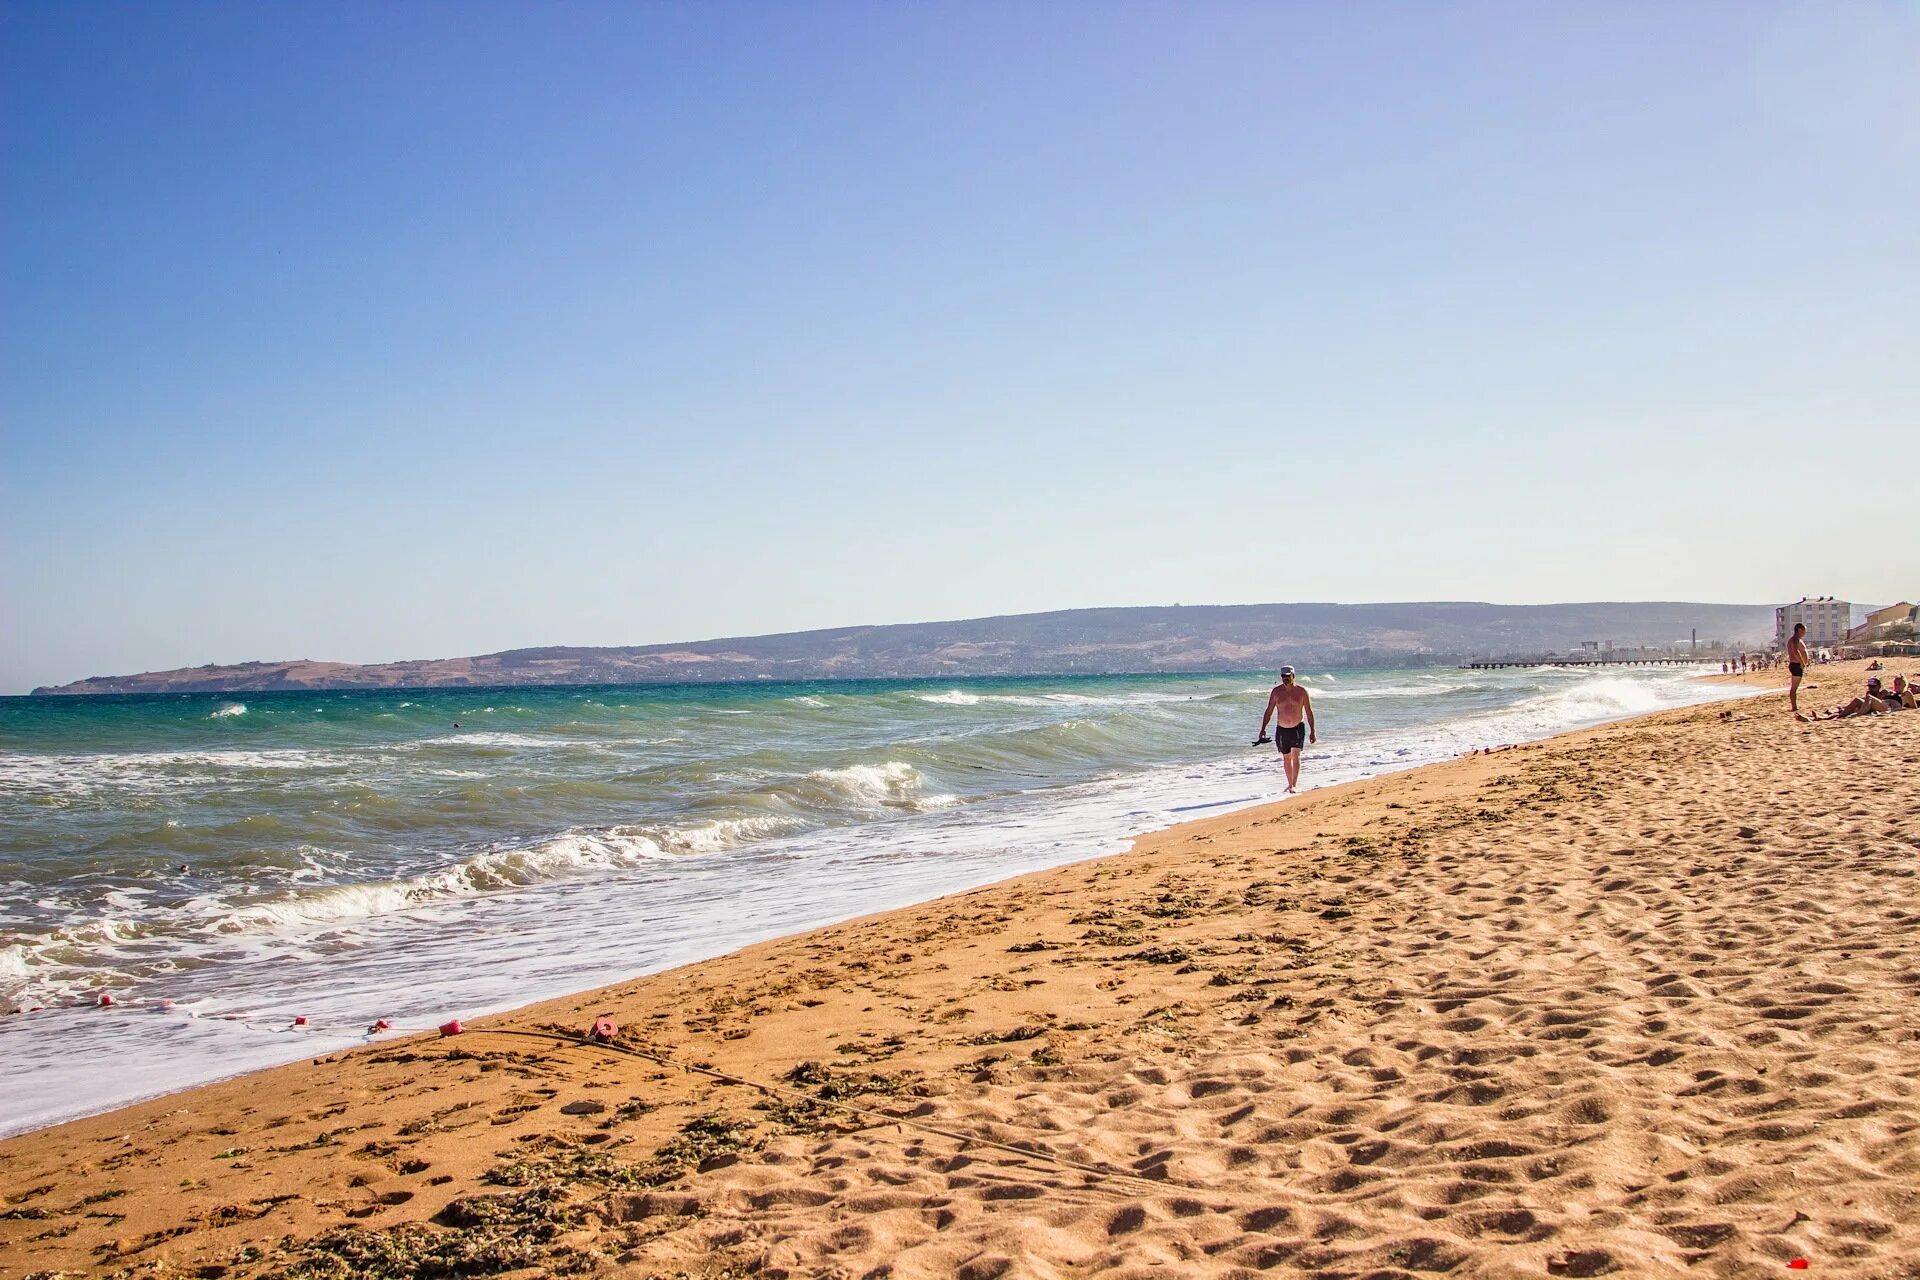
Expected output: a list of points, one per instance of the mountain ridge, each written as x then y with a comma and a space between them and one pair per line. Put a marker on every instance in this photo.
1146, 638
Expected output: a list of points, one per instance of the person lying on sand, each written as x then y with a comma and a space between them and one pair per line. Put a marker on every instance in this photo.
1875, 700
1901, 695
1894, 697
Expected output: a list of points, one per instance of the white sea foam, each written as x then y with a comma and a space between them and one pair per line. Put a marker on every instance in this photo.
1588, 699
1600, 697
719, 834
66, 961
951, 698
892, 785
484, 738
81, 950
960, 698
807, 700
1391, 691
231, 709
152, 770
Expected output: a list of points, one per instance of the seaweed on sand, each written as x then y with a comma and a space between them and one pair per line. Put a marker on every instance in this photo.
476, 1236
489, 1235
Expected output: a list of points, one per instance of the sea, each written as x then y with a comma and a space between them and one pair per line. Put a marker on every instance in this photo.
218, 866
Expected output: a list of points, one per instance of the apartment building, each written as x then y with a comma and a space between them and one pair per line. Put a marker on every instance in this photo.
1826, 619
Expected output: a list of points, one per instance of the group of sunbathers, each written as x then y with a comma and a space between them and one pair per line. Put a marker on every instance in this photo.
1896, 696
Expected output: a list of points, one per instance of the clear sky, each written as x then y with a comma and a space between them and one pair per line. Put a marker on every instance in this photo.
369, 331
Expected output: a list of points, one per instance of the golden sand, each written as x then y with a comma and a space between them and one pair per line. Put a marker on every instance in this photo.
1638, 1001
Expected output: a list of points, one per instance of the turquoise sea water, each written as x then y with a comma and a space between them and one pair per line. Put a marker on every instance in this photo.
421, 854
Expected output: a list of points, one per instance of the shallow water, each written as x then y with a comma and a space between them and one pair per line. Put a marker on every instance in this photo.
417, 855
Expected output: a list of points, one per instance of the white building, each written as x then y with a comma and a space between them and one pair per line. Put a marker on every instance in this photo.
1826, 618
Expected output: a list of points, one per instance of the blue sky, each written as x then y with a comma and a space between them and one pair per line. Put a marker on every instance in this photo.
374, 331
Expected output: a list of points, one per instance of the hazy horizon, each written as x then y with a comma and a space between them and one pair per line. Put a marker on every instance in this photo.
364, 332
1858, 607
1305, 626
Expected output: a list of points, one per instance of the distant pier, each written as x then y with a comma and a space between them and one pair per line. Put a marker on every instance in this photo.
1585, 662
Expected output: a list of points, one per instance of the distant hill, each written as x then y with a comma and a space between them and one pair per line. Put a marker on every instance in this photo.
1072, 641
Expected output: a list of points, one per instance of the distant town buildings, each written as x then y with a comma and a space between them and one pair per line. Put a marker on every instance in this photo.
1896, 621
1826, 620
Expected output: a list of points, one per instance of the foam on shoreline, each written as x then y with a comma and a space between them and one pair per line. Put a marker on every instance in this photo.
420, 949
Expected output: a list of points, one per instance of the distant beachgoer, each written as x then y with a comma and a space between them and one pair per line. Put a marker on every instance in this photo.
1796, 667
1288, 706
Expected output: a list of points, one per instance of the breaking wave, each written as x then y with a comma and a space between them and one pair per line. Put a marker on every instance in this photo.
1601, 698
961, 698
82, 957
893, 785
146, 771
951, 698
1433, 690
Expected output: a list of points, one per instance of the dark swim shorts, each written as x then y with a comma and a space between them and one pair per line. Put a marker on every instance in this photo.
1289, 739
1795, 669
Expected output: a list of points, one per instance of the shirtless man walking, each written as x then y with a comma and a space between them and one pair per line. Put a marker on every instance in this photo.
1288, 705
1797, 661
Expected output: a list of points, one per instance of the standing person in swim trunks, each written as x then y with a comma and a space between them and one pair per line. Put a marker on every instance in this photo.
1288, 706
1797, 661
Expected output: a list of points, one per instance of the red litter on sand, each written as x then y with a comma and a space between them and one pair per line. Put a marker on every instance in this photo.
166, 1004
299, 1019
603, 1030
1798, 1264
451, 1028
380, 1024
106, 1001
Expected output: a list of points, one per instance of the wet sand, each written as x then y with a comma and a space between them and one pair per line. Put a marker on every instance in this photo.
1640, 1001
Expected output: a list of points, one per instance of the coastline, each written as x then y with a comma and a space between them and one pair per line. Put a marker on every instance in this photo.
239, 948
1244, 1043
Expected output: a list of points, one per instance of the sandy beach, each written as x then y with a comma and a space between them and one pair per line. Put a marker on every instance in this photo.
1638, 1000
